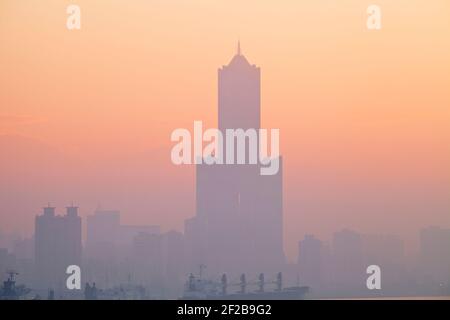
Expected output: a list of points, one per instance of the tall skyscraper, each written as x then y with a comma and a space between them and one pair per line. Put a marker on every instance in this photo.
310, 256
109, 244
387, 252
238, 222
57, 245
147, 261
101, 236
173, 263
349, 272
107, 237
434, 255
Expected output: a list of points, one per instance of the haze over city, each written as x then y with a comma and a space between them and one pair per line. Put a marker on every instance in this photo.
363, 116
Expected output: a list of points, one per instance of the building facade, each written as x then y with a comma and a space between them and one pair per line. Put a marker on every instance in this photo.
238, 223
57, 246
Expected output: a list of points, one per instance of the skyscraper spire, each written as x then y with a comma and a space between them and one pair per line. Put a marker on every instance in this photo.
239, 48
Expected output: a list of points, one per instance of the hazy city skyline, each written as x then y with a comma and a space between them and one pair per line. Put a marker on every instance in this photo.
115, 255
237, 230
363, 116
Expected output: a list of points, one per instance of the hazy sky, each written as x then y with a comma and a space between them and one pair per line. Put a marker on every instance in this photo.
364, 116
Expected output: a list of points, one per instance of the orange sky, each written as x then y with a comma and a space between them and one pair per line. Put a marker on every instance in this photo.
364, 115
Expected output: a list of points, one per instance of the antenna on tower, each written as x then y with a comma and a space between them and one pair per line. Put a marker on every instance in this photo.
239, 48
